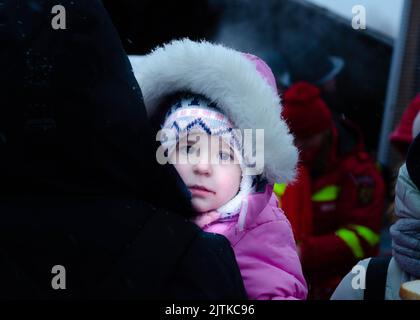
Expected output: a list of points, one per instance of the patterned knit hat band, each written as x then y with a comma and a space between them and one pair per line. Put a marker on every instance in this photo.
187, 112
198, 115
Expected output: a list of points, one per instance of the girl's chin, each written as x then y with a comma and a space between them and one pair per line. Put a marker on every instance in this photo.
201, 208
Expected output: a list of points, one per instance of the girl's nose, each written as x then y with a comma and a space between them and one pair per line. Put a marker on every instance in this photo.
203, 167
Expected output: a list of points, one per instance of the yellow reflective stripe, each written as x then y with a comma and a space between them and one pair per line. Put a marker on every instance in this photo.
371, 237
327, 193
351, 239
279, 189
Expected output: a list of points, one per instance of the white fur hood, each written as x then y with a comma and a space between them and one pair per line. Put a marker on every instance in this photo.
230, 80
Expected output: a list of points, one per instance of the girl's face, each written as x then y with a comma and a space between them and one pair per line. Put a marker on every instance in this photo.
205, 163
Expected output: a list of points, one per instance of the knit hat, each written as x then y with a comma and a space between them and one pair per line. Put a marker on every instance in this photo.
196, 114
304, 110
403, 134
241, 85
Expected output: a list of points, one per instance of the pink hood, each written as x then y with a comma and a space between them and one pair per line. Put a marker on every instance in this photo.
262, 239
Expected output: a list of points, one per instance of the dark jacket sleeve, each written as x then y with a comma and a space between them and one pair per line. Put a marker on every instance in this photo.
137, 253
208, 271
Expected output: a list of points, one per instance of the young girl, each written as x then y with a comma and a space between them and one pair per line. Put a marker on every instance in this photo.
206, 92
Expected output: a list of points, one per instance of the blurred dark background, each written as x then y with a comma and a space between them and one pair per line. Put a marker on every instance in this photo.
144, 24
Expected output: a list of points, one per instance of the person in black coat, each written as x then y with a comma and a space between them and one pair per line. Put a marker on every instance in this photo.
81, 193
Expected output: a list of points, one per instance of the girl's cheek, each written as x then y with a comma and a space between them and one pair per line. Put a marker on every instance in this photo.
230, 177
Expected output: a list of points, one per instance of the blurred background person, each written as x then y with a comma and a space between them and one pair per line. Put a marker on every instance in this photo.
384, 277
346, 191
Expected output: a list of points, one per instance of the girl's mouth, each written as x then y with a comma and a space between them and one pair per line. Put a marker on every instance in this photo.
197, 190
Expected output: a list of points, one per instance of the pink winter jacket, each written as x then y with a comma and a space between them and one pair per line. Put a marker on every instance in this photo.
262, 239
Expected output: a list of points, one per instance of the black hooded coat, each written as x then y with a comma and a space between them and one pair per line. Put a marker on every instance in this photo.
80, 186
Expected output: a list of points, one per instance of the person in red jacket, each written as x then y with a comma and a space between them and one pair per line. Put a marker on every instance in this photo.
343, 208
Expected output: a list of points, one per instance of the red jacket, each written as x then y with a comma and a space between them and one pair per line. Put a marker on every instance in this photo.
346, 208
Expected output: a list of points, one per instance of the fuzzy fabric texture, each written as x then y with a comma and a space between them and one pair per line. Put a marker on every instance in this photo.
231, 80
406, 231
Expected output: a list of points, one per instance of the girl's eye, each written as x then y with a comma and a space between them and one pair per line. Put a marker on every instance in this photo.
225, 156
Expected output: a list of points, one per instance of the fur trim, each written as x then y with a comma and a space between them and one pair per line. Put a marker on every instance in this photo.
230, 80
